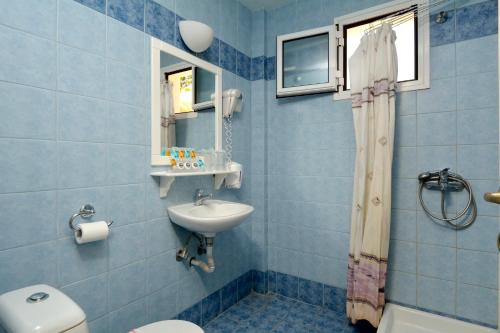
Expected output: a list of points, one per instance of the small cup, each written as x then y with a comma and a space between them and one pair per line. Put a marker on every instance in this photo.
220, 160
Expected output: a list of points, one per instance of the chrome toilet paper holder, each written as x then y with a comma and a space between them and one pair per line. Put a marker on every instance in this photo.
86, 211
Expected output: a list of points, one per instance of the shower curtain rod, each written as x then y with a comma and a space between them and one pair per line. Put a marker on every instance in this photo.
406, 14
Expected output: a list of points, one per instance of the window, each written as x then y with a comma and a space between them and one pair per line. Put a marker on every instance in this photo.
412, 43
305, 62
182, 87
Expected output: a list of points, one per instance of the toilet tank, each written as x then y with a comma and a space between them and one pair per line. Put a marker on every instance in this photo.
41, 309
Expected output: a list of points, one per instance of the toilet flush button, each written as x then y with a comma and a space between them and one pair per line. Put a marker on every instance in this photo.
37, 297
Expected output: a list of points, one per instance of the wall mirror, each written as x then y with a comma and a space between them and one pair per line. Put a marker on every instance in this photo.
186, 102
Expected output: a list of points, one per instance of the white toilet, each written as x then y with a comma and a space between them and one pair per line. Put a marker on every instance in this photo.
43, 309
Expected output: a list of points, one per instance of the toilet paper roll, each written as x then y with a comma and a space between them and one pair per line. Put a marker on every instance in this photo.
91, 232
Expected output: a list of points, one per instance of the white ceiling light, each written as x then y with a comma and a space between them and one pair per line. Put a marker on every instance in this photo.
197, 36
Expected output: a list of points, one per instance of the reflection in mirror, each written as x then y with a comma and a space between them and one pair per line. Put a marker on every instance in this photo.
187, 104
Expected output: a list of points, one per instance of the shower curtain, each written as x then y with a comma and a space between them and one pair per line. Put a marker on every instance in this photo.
373, 69
167, 115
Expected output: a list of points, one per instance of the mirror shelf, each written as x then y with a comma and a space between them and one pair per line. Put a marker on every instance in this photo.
167, 177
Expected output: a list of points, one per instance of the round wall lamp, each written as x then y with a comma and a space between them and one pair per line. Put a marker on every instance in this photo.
197, 36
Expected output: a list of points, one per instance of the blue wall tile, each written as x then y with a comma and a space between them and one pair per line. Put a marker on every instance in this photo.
125, 44
211, 307
130, 12
260, 281
131, 316
81, 27
468, 17
212, 53
257, 68
272, 281
99, 325
36, 17
471, 300
192, 314
125, 84
125, 164
23, 109
402, 287
437, 295
41, 258
310, 292
127, 203
127, 124
23, 161
437, 261
161, 304
227, 56
474, 237
442, 33
443, 63
160, 22
99, 5
470, 154
470, 61
81, 118
91, 295
470, 120
122, 241
128, 284
478, 268
28, 59
270, 68
88, 68
244, 285
43, 228
287, 285
73, 173
162, 271
482, 94
229, 295
243, 63
81, 262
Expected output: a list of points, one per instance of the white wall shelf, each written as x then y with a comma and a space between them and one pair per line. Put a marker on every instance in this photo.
232, 176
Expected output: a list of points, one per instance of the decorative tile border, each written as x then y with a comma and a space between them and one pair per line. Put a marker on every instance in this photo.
316, 293
214, 304
160, 22
464, 23
304, 290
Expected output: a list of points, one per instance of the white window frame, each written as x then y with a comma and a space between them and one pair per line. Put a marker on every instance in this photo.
311, 88
423, 44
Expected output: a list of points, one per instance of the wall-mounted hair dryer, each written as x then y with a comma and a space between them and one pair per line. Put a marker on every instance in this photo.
231, 102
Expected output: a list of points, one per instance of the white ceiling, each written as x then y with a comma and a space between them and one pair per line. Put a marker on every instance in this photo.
263, 4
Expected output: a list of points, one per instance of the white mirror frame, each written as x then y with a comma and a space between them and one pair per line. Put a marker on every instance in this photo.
156, 47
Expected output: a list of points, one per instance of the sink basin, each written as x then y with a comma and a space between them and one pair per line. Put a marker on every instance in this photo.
211, 217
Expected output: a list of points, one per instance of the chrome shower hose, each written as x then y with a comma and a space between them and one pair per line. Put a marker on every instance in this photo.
451, 221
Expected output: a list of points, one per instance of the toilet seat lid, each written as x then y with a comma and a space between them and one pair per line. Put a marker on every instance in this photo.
169, 326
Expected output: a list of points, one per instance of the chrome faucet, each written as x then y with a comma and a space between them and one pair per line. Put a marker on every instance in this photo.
200, 197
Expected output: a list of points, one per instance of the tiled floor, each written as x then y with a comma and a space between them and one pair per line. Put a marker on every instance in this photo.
272, 313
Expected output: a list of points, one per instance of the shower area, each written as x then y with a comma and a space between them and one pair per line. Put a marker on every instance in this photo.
443, 255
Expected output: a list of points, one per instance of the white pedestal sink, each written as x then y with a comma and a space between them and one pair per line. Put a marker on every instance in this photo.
211, 217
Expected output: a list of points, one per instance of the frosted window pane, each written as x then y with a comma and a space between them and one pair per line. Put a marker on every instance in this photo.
305, 61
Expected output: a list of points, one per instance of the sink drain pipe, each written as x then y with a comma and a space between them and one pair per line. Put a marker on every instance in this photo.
205, 246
